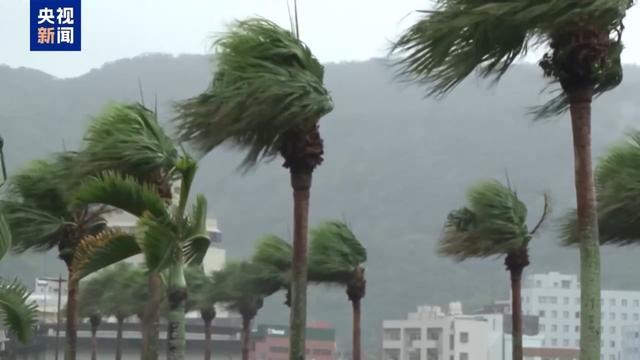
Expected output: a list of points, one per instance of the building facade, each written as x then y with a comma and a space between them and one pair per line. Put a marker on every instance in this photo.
271, 342
555, 299
630, 342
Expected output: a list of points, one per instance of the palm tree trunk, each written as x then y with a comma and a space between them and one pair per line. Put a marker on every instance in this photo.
175, 317
151, 328
587, 224
120, 322
356, 346
246, 337
95, 322
516, 313
72, 317
301, 183
207, 339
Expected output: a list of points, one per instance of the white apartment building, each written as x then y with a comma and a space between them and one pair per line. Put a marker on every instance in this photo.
555, 299
45, 295
430, 334
630, 343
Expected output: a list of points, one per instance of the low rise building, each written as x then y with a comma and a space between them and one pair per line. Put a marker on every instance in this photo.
271, 342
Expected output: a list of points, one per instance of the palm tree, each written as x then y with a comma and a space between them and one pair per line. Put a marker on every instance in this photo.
168, 238
494, 224
41, 215
201, 299
17, 313
90, 305
128, 138
337, 257
267, 96
275, 253
460, 36
617, 176
242, 286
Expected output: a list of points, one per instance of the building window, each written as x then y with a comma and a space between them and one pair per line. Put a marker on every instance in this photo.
636, 317
434, 333
464, 337
412, 334
612, 330
624, 302
392, 334
464, 356
542, 299
554, 328
636, 303
565, 314
612, 316
577, 328
541, 313
612, 302
565, 329
566, 300
554, 314
566, 284
539, 283
577, 314
612, 344
624, 316
553, 300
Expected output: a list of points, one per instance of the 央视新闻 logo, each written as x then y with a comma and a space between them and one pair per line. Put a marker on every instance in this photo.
55, 25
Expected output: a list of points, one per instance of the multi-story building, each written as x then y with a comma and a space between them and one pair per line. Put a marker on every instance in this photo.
430, 334
555, 299
45, 295
630, 342
271, 342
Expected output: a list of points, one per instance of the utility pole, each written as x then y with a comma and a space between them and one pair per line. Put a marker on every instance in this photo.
59, 280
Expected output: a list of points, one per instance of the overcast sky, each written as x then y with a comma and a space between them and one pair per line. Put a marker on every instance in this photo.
336, 30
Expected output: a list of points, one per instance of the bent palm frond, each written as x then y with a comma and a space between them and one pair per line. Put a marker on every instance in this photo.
106, 248
18, 315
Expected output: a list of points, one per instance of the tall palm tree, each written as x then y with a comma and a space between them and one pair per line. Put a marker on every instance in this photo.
584, 36
242, 286
128, 138
41, 215
617, 176
337, 257
17, 313
267, 96
493, 223
201, 299
168, 238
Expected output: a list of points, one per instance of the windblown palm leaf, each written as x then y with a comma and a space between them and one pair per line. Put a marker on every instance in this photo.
267, 83
245, 284
618, 192
197, 237
461, 36
18, 314
334, 253
104, 249
5, 236
492, 224
272, 250
199, 285
128, 138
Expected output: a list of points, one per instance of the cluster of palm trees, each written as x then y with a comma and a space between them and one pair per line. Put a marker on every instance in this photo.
267, 98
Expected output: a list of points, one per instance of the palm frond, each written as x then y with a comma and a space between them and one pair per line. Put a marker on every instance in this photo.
272, 250
158, 238
30, 227
267, 82
334, 253
197, 239
198, 284
122, 192
462, 36
18, 314
127, 138
96, 252
492, 224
